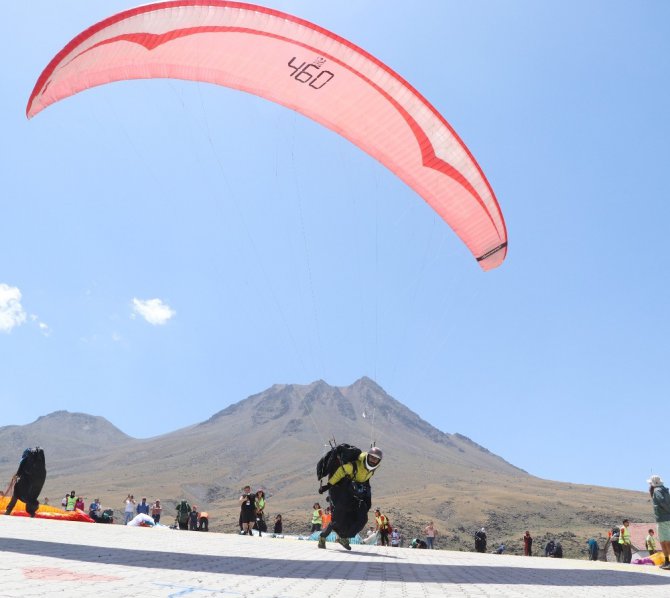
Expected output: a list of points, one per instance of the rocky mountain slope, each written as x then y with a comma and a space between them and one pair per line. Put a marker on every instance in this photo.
273, 440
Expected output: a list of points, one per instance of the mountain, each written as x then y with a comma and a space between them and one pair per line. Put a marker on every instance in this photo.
273, 440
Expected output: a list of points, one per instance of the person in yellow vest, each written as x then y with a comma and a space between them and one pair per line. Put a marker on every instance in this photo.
317, 514
350, 497
70, 501
624, 542
382, 527
650, 542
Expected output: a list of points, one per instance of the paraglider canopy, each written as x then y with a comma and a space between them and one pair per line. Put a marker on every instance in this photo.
303, 67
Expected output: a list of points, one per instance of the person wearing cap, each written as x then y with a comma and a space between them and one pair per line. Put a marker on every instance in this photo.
660, 499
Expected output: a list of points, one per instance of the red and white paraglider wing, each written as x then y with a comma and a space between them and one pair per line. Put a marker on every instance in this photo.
304, 67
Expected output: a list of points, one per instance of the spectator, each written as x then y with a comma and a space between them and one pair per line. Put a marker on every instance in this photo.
614, 541
279, 526
70, 501
382, 526
193, 519
660, 499
395, 538
594, 549
94, 510
650, 542
500, 549
624, 542
550, 548
79, 504
129, 508
430, 532
259, 504
203, 521
527, 544
317, 514
247, 510
143, 507
45, 501
326, 518
156, 511
480, 540
558, 551
183, 514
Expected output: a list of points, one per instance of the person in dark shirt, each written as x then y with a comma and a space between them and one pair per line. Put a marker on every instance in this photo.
193, 519
247, 510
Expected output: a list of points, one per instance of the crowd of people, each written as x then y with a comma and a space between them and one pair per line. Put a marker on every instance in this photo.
349, 471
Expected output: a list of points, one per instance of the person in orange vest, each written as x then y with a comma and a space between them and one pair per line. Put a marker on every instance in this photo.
326, 517
203, 521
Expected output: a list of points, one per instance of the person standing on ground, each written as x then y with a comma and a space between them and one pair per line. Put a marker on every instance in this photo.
70, 501
527, 544
247, 510
650, 542
660, 499
279, 526
156, 511
317, 514
259, 503
193, 519
203, 521
430, 532
480, 540
624, 542
614, 541
183, 514
594, 549
382, 526
129, 508
143, 507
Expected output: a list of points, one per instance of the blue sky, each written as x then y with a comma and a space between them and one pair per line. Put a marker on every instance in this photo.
168, 248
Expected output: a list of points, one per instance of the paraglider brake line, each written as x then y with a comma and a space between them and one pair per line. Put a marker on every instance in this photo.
492, 251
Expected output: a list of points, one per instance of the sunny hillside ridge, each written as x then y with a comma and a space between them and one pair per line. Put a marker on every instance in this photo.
273, 440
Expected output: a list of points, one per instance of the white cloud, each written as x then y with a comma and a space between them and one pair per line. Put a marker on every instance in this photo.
11, 311
153, 311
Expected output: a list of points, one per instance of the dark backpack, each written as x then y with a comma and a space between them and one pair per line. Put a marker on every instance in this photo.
336, 457
183, 511
32, 473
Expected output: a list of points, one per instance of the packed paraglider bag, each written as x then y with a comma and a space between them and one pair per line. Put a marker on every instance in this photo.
107, 516
29, 480
334, 458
